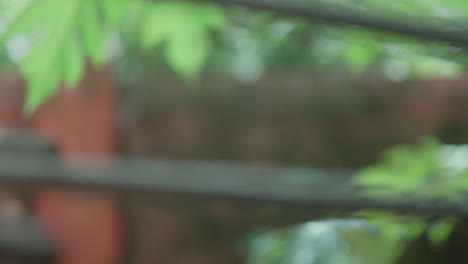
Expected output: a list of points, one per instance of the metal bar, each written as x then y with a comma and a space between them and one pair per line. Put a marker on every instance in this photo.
297, 187
25, 244
336, 14
21, 241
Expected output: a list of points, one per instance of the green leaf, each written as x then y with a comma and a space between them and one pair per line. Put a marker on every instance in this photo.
387, 180
73, 63
268, 247
113, 10
187, 55
166, 20
154, 29
95, 35
359, 56
212, 16
40, 65
57, 55
40, 89
426, 66
406, 170
368, 246
439, 233
31, 16
183, 28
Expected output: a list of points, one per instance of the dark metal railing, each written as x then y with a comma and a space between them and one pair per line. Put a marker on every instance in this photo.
266, 196
423, 28
283, 186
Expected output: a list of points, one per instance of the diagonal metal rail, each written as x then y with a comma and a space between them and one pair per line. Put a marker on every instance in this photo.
285, 187
332, 13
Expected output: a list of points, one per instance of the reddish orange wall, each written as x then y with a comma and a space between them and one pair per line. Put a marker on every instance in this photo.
82, 121
85, 226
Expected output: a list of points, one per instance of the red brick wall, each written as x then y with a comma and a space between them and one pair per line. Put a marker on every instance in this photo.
85, 226
11, 98
82, 122
290, 118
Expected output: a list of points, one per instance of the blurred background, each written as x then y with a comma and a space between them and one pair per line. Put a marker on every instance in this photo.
200, 81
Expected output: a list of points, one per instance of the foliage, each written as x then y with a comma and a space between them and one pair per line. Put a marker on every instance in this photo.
425, 171
325, 242
428, 171
60, 42
330, 48
401, 229
183, 28
373, 237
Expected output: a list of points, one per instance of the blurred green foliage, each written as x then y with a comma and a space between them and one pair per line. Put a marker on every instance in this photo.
49, 40
60, 35
325, 242
421, 171
429, 170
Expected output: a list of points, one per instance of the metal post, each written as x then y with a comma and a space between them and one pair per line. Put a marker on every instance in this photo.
21, 239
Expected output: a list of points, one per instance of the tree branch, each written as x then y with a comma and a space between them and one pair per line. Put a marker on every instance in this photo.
334, 14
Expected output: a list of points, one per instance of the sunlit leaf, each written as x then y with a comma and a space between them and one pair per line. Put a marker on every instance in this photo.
30, 17
187, 55
113, 10
429, 67
95, 36
183, 28
155, 30
40, 65
406, 170
368, 246
212, 16
73, 63
40, 90
439, 232
359, 56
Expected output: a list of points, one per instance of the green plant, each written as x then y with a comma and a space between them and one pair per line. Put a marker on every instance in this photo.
427, 171
322, 242
63, 34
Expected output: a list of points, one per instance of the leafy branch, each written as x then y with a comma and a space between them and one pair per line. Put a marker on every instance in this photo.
62, 41
429, 170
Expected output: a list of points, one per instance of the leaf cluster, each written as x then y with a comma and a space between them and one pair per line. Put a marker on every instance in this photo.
62, 36
425, 171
